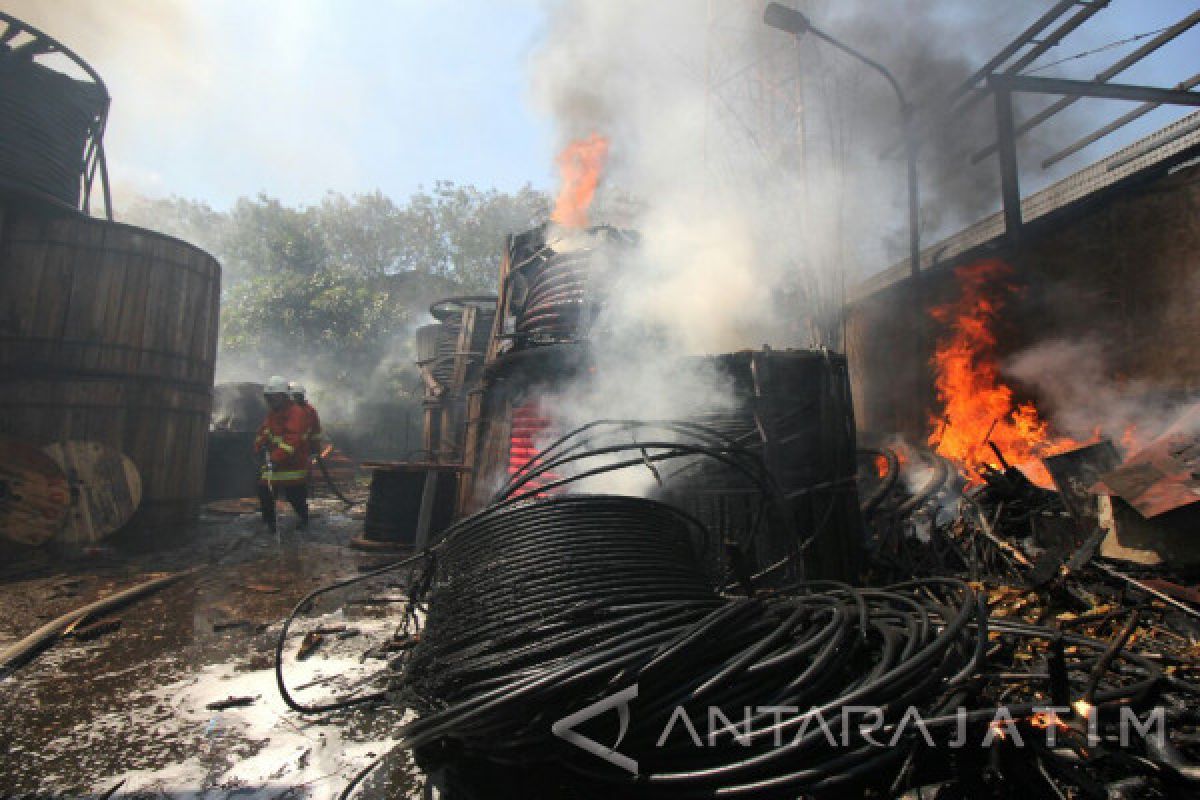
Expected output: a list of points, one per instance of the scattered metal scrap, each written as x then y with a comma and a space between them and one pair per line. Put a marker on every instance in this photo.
231, 702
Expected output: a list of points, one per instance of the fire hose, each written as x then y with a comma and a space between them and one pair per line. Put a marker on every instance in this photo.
320, 459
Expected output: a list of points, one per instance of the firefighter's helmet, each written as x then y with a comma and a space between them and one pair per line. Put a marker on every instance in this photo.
277, 385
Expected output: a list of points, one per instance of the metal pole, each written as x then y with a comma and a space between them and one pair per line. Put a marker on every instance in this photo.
914, 222
911, 146
914, 272
1006, 141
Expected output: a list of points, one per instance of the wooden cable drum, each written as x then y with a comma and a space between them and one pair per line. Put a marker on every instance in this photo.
105, 489
108, 334
34, 495
393, 505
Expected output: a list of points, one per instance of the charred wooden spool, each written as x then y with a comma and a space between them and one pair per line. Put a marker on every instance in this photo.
506, 419
793, 408
408, 504
439, 346
450, 355
232, 468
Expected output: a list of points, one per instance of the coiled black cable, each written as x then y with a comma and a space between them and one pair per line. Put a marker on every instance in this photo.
606, 443
557, 286
547, 606
887, 483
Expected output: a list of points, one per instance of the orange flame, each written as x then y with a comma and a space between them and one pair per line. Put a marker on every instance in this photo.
881, 466
881, 463
579, 164
977, 406
1131, 438
1046, 719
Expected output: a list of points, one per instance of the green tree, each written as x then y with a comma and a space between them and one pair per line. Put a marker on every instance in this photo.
335, 289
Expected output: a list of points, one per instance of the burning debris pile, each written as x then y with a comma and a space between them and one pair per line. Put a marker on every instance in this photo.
1016, 631
1073, 622
979, 415
1067, 543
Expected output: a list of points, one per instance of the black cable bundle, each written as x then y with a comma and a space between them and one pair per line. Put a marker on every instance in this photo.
503, 576
544, 608
49, 122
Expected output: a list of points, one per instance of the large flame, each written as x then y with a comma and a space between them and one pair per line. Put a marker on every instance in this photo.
579, 165
977, 406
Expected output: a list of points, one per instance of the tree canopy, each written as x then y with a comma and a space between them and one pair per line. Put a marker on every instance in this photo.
332, 292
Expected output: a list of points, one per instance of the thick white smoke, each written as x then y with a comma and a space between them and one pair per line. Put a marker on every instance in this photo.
756, 158
758, 193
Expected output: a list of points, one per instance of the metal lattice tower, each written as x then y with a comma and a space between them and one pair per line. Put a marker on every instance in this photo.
752, 89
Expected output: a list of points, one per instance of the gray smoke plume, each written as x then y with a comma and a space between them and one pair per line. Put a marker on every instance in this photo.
755, 164
756, 158
1082, 397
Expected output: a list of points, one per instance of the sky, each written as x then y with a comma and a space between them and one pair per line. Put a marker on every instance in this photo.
216, 99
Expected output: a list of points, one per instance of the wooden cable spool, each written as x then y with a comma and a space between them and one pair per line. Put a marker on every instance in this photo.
34, 494
105, 489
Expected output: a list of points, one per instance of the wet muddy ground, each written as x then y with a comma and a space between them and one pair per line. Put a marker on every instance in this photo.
140, 708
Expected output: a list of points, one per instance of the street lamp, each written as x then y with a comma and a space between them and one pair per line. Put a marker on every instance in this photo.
794, 22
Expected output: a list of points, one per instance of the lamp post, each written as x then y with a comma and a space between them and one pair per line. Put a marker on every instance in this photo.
794, 22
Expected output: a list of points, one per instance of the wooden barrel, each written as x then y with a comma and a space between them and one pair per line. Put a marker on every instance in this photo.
108, 333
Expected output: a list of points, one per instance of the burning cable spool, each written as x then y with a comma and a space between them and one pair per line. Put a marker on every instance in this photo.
557, 281
530, 428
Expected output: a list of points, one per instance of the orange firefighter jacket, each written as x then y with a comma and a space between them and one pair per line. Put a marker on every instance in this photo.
314, 424
284, 437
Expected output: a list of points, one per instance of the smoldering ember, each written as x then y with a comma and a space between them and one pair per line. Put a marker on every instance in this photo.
600, 399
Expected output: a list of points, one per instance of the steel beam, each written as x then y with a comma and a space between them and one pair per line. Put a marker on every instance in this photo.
1116, 124
1171, 33
968, 93
1010, 187
1076, 89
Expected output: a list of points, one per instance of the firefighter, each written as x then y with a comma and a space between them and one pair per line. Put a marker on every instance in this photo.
296, 392
282, 445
